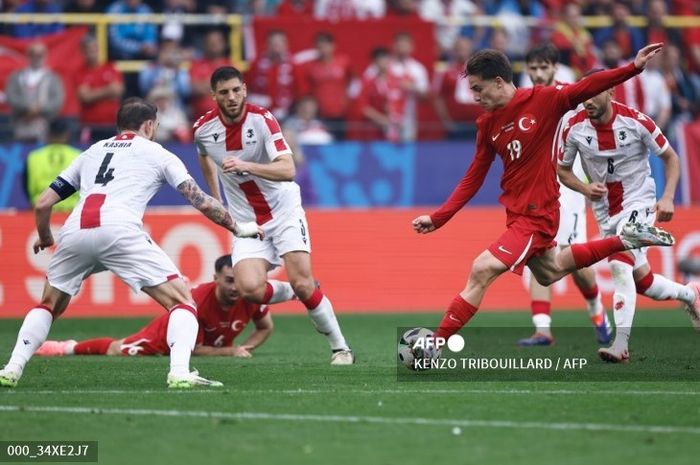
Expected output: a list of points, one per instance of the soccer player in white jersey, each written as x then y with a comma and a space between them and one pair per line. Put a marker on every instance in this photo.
541, 66
244, 144
116, 178
614, 142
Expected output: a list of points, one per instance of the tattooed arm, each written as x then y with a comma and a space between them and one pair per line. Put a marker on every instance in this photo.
212, 209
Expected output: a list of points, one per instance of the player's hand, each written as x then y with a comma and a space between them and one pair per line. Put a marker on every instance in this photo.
664, 209
250, 229
647, 53
423, 225
596, 191
234, 165
42, 243
241, 352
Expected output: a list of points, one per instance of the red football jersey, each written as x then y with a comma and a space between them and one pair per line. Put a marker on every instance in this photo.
522, 133
218, 326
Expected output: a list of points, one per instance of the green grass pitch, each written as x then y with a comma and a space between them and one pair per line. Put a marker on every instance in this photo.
288, 405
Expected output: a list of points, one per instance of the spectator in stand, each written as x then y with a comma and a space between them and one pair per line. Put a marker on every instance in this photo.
630, 39
214, 56
573, 40
167, 71
630, 92
30, 30
657, 96
413, 79
655, 31
174, 28
304, 8
382, 100
172, 120
453, 100
100, 88
403, 9
685, 97
84, 6
270, 79
446, 14
35, 95
691, 35
254, 7
343, 10
304, 127
327, 78
45, 163
131, 41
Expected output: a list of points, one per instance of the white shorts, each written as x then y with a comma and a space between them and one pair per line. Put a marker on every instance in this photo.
613, 226
126, 251
284, 234
572, 217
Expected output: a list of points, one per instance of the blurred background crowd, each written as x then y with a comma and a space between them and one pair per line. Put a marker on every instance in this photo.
382, 78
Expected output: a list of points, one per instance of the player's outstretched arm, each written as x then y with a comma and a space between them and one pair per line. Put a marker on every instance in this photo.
233, 351
209, 172
594, 84
423, 224
664, 207
42, 215
263, 330
212, 209
593, 191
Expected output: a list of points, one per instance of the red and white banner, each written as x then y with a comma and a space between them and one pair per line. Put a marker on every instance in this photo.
366, 260
689, 138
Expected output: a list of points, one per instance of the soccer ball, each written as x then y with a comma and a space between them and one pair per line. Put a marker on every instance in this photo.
408, 353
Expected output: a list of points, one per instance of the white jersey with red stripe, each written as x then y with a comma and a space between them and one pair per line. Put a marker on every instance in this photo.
117, 177
616, 154
256, 138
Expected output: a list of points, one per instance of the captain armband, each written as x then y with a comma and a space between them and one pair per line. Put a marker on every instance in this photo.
62, 188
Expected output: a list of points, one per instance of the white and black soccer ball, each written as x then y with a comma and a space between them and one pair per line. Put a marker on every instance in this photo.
409, 354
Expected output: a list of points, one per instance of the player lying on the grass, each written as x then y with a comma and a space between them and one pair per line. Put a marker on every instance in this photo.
244, 145
117, 177
221, 314
541, 65
614, 142
520, 125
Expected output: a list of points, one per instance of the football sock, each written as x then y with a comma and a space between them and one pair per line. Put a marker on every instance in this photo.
594, 303
97, 346
541, 316
659, 287
624, 301
182, 335
279, 291
457, 315
324, 320
31, 335
588, 253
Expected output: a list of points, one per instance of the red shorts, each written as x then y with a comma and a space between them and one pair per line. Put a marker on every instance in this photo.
524, 238
151, 340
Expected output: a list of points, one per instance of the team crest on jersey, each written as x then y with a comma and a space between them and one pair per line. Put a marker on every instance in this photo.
526, 122
622, 135
250, 137
249, 134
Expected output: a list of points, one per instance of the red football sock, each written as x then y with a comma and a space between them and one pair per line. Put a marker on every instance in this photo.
645, 283
97, 346
540, 307
269, 290
589, 253
457, 315
589, 294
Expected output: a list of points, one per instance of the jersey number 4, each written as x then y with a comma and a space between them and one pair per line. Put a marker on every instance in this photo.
105, 173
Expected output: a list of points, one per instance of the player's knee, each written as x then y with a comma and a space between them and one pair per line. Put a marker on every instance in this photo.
482, 272
252, 292
303, 287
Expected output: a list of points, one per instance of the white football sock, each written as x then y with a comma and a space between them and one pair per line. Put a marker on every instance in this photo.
31, 335
663, 288
325, 322
624, 301
281, 291
594, 306
542, 323
182, 336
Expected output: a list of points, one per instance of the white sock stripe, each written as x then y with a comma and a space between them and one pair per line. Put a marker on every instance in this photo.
522, 256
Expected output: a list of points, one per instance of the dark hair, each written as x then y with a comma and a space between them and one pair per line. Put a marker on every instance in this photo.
546, 53
135, 111
58, 127
224, 73
222, 262
324, 37
489, 64
379, 52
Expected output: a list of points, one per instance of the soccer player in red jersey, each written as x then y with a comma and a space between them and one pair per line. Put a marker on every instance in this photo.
520, 126
221, 314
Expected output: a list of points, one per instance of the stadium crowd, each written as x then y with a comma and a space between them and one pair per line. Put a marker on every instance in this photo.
322, 94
